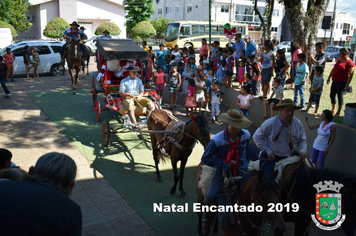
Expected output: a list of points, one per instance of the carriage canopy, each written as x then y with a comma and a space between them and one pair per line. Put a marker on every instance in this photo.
120, 49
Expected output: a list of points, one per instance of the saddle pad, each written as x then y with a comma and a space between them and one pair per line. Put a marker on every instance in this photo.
175, 125
205, 178
283, 163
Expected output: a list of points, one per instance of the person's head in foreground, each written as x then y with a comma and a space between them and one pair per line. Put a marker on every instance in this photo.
286, 109
235, 121
5, 158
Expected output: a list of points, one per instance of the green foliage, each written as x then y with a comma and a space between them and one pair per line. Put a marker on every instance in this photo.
137, 11
55, 28
109, 26
143, 30
160, 26
13, 12
7, 25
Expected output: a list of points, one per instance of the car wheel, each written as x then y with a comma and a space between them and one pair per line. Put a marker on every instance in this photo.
57, 69
187, 45
333, 60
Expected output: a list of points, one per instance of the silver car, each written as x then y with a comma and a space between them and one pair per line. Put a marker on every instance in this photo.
48, 51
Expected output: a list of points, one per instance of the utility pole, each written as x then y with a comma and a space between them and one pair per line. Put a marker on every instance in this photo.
332, 24
210, 22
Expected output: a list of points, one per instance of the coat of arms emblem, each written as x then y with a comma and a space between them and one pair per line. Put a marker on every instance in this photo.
328, 209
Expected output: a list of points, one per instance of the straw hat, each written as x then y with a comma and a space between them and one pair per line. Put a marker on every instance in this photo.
133, 68
74, 23
235, 118
286, 103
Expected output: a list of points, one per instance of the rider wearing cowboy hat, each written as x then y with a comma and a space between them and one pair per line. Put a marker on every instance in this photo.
228, 151
106, 35
278, 136
73, 33
131, 89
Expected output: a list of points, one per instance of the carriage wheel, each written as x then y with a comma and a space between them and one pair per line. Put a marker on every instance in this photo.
93, 87
106, 133
98, 109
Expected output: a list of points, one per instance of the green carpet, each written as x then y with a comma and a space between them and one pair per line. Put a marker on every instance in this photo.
126, 164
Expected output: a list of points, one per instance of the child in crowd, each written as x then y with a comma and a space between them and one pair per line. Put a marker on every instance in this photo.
165, 66
243, 56
205, 59
184, 59
216, 98
279, 95
223, 69
200, 66
5, 158
180, 67
201, 71
195, 75
230, 67
281, 66
219, 73
9, 60
241, 74
205, 68
267, 60
186, 76
190, 97
211, 76
26, 60
216, 63
35, 63
255, 75
249, 83
316, 89
159, 78
207, 91
200, 86
3, 75
301, 76
174, 81
244, 101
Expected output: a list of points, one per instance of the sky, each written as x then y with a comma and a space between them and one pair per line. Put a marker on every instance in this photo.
342, 5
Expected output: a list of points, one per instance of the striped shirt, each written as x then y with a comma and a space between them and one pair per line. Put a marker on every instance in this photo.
278, 92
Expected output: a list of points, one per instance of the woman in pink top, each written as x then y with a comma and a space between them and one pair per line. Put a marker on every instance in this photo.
294, 61
205, 49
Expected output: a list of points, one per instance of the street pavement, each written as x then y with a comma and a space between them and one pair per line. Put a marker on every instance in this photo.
28, 133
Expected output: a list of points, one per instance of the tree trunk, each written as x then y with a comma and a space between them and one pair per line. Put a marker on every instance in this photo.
304, 24
270, 7
261, 19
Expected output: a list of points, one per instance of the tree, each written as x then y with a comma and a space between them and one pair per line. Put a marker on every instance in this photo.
109, 26
160, 26
137, 11
304, 23
267, 13
7, 25
143, 30
13, 12
55, 28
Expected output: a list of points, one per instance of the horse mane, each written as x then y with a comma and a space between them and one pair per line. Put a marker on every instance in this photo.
202, 124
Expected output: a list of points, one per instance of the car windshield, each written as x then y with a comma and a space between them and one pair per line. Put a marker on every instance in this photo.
3, 50
172, 31
331, 49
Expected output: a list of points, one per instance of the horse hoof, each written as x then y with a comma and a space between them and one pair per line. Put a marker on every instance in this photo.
74, 92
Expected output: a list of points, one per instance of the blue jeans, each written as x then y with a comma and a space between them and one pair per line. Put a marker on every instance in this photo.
255, 87
246, 112
215, 108
299, 90
3, 84
216, 184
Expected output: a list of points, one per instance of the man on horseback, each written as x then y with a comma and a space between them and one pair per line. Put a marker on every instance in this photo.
73, 33
106, 35
228, 151
278, 136
131, 89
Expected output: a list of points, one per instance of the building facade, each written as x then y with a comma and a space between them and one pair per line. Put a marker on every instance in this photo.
87, 13
241, 11
342, 32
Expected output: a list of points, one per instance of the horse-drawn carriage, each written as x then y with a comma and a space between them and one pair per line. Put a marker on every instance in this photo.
114, 56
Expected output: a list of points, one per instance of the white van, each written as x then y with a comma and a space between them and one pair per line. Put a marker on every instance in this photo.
5, 37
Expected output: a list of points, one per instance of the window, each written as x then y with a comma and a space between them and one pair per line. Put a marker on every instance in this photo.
189, 9
184, 30
177, 10
224, 8
346, 29
159, 11
352, 28
198, 29
275, 12
56, 49
214, 29
246, 14
168, 10
18, 52
43, 50
274, 29
337, 24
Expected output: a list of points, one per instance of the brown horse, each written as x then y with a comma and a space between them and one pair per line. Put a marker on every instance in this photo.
253, 188
195, 129
74, 60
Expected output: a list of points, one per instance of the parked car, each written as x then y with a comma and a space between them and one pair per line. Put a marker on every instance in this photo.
91, 43
48, 51
285, 43
332, 53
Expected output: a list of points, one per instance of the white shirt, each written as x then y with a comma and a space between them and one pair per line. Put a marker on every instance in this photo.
322, 140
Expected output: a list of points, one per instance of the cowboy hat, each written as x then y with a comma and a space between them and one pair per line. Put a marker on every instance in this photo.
133, 68
106, 31
82, 28
74, 23
235, 118
286, 103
